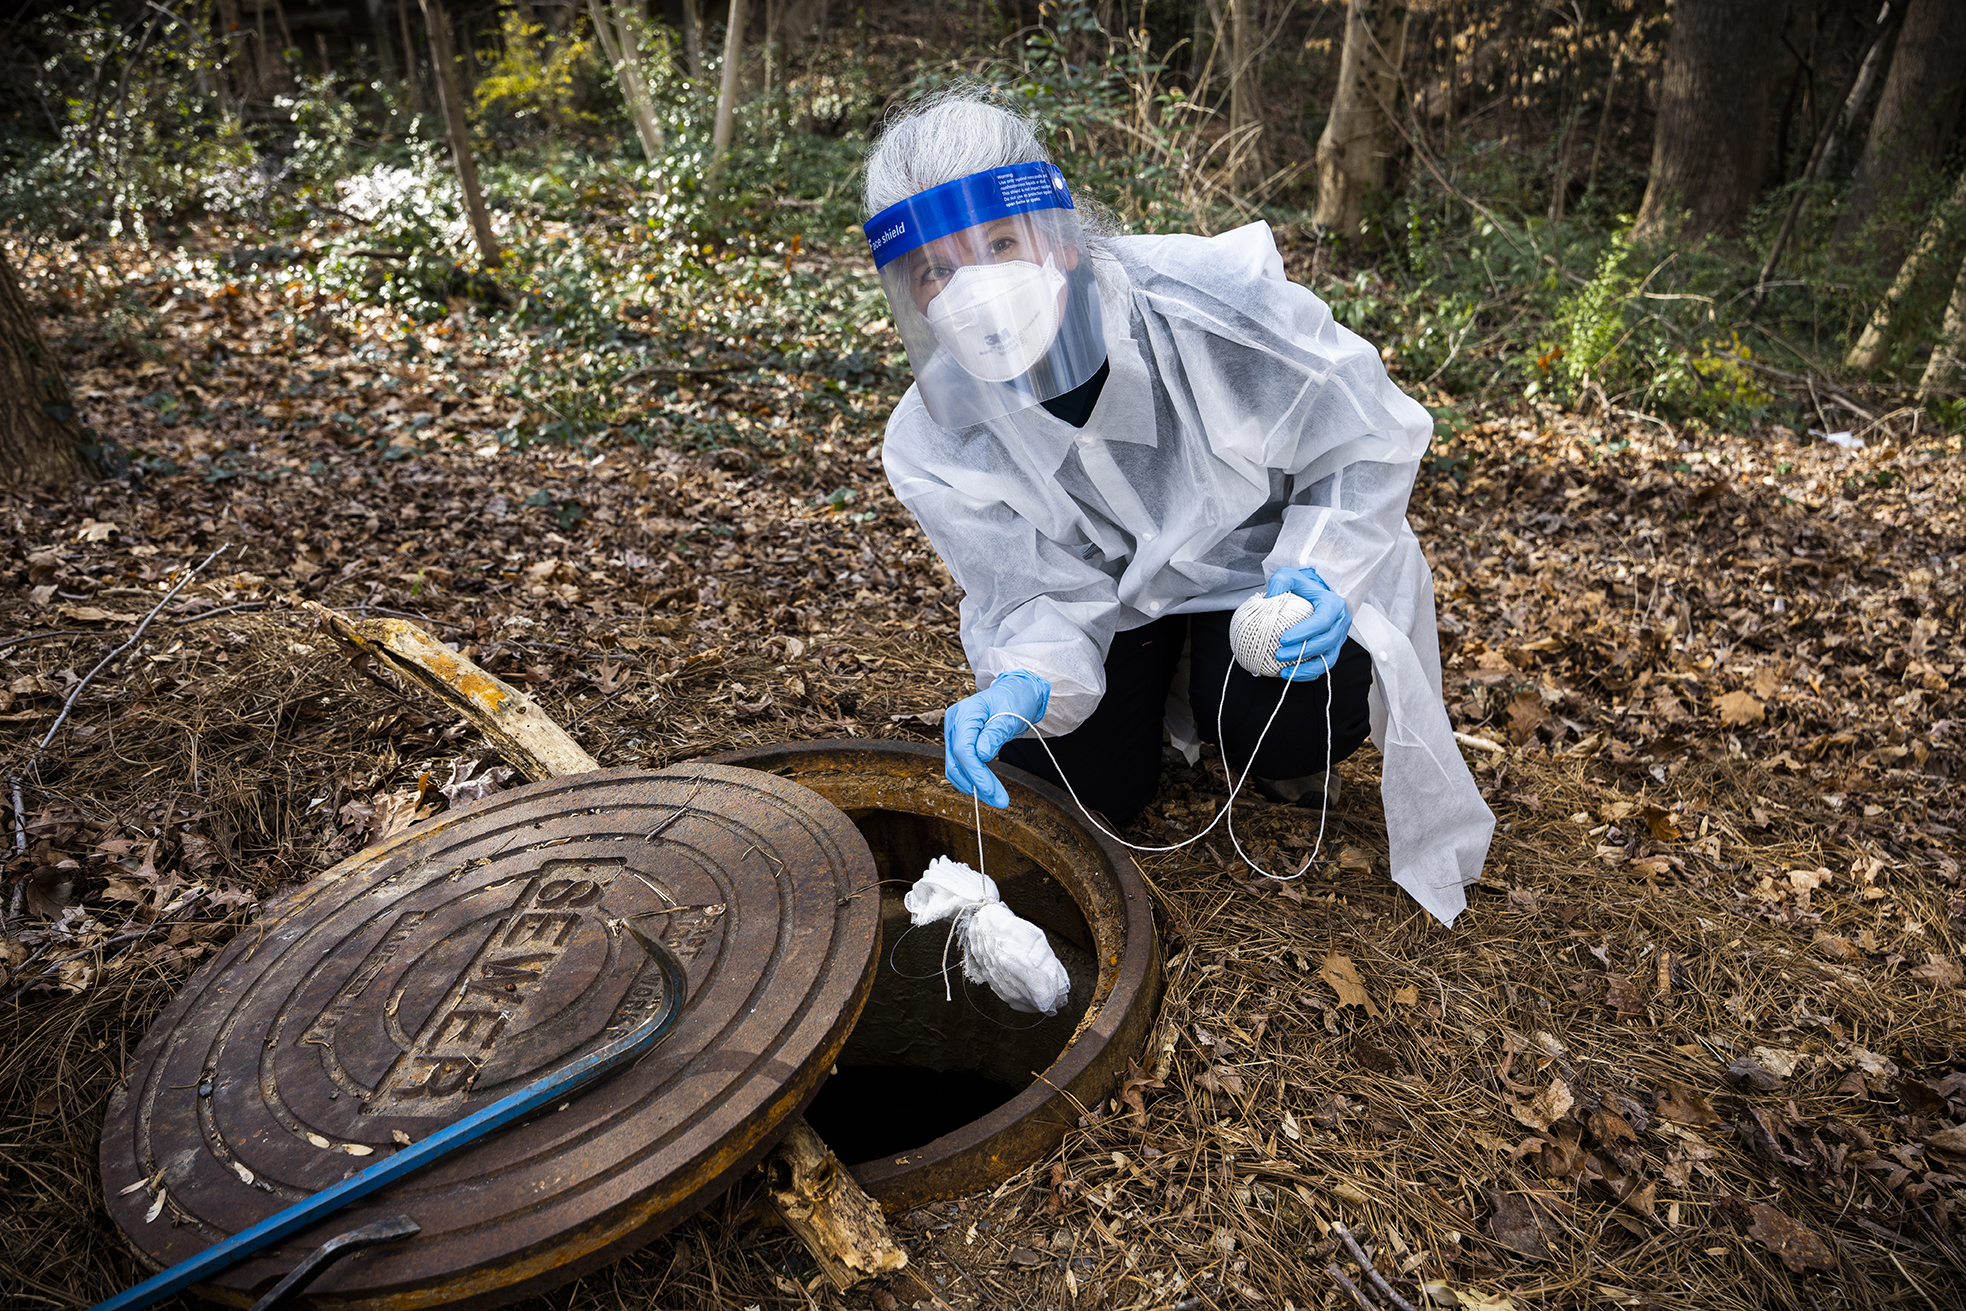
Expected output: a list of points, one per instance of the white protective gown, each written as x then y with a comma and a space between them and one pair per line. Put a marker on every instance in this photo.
1242, 431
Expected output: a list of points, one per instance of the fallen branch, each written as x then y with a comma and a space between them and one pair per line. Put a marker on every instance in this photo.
679, 371
517, 727
819, 1201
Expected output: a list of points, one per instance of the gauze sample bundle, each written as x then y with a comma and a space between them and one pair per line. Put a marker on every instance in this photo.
1257, 627
1009, 954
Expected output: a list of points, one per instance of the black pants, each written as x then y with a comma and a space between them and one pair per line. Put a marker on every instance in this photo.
1113, 759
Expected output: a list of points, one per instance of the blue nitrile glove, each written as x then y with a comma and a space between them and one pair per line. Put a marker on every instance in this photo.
1310, 645
970, 735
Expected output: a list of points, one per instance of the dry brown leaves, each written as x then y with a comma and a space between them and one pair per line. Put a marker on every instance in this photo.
1728, 673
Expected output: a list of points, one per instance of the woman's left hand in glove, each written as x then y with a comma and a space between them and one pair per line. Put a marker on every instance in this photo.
1309, 647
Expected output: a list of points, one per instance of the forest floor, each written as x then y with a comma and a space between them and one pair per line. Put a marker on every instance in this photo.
1699, 1040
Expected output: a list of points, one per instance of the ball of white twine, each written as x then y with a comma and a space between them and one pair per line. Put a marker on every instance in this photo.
1257, 628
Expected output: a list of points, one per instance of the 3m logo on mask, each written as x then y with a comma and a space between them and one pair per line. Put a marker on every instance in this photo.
997, 320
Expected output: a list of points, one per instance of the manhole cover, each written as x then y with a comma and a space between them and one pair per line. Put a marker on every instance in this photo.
432, 975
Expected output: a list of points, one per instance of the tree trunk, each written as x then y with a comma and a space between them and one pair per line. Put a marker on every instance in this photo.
693, 37
409, 59
1245, 117
1948, 362
1604, 120
238, 51
1713, 112
451, 97
1357, 144
727, 93
42, 442
616, 31
1916, 115
1934, 245
385, 53
1819, 157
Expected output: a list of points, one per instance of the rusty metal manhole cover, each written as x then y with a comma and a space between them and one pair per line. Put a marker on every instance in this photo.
437, 972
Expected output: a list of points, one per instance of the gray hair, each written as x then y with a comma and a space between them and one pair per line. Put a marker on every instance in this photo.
952, 134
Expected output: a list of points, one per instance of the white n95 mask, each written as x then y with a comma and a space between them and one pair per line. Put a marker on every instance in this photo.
997, 320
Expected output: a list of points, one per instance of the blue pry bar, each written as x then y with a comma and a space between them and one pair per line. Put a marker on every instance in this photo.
301, 1215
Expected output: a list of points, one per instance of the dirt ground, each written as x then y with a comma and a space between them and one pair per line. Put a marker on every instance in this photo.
1697, 1042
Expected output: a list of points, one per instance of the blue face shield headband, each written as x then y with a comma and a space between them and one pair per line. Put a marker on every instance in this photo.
979, 273
950, 208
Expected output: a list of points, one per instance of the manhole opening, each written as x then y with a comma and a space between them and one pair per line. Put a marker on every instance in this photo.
918, 1066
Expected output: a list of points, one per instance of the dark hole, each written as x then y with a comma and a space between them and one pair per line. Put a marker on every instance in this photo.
866, 1112
927, 1059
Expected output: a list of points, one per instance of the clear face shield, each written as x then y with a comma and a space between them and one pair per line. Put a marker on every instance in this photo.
991, 287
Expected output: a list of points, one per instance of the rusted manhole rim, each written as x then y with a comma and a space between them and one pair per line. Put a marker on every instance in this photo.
358, 1008
1041, 823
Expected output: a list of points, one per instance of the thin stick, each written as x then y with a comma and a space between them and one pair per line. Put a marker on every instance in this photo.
1371, 1271
42, 637
135, 637
222, 610
1481, 744
1350, 1287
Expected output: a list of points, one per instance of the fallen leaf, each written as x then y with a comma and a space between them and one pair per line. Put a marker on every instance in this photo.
1738, 708
1939, 971
93, 614
1747, 1070
1024, 1256
1376, 1059
1780, 1061
1227, 1080
358, 1149
466, 786
156, 1206
1798, 1246
1339, 972
1662, 825
1624, 996
1356, 860
398, 1137
320, 1142
1546, 1107
96, 530
1514, 1226
1678, 1102
1131, 1094
1949, 1140
1615, 1137
1290, 1129
1406, 996
1836, 947
1526, 715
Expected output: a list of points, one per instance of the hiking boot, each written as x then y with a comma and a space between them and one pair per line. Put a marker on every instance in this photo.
1312, 791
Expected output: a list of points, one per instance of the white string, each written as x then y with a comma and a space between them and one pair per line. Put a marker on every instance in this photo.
1228, 807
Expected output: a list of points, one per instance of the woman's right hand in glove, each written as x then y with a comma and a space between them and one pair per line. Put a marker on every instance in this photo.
976, 728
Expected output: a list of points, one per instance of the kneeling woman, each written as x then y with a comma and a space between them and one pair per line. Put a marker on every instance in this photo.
1114, 441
